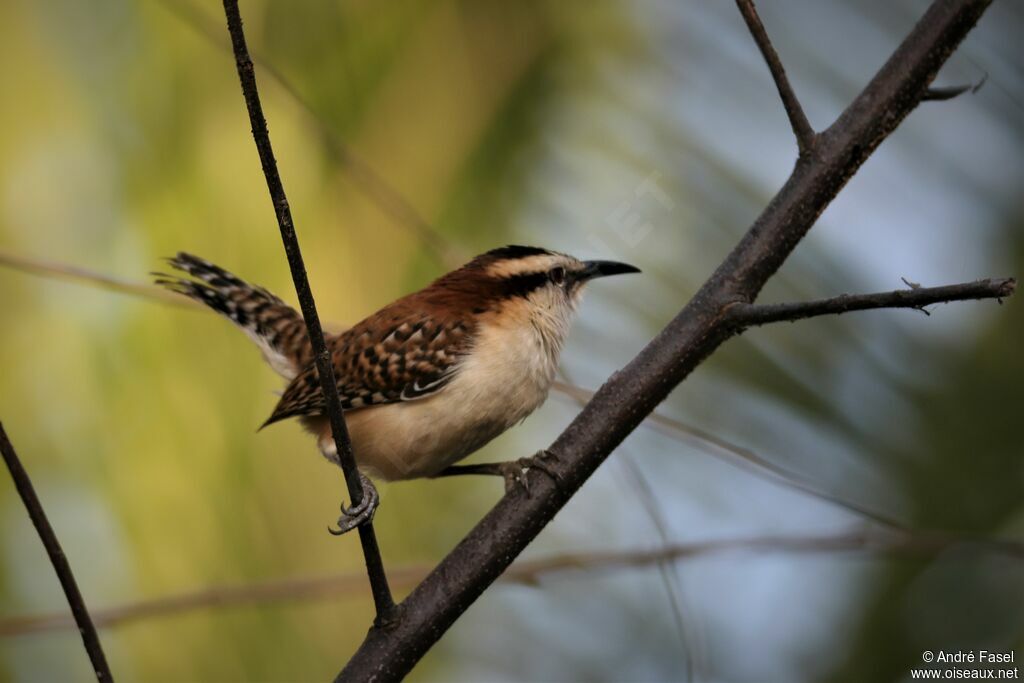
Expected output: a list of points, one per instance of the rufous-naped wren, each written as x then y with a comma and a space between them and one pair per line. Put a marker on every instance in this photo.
429, 378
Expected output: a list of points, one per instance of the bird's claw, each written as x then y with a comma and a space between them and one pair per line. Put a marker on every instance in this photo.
352, 517
515, 471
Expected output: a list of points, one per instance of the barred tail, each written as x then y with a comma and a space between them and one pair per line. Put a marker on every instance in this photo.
276, 327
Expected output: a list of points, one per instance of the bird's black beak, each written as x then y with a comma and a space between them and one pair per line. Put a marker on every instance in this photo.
595, 269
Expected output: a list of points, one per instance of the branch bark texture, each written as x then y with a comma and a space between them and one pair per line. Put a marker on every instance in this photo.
60, 563
389, 652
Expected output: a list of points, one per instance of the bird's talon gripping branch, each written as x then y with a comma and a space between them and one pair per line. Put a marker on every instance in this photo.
542, 461
516, 471
352, 517
514, 474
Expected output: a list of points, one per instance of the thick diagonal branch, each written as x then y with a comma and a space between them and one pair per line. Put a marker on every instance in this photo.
797, 119
388, 653
60, 563
748, 315
328, 385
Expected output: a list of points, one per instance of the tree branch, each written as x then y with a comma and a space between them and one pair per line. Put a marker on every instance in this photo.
389, 652
749, 315
328, 385
60, 563
531, 573
805, 135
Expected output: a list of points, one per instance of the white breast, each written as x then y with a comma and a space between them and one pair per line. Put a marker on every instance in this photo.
503, 379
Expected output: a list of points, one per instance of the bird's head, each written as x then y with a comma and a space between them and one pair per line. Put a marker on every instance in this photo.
529, 281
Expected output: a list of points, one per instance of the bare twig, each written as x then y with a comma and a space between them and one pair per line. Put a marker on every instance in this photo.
669, 576
530, 573
692, 656
805, 135
60, 563
917, 297
390, 652
54, 269
744, 458
246, 74
231, 595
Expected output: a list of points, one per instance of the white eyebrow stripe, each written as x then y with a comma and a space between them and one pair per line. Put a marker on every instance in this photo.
530, 264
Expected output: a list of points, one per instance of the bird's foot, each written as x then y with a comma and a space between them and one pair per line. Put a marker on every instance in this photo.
352, 517
515, 471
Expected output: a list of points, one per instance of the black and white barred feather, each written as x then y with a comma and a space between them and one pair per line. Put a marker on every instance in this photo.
276, 327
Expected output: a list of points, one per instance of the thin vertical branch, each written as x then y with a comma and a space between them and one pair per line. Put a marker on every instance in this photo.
60, 563
247, 76
805, 135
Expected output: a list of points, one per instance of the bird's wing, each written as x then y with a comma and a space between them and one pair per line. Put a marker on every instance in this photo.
391, 357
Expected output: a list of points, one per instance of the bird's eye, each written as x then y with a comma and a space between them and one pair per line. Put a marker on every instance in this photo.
557, 275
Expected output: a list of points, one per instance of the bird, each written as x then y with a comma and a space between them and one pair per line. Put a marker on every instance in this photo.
429, 378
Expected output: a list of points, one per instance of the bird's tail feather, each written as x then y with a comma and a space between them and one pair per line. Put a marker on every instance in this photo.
276, 327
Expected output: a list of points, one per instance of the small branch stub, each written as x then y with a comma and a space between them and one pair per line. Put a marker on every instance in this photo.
941, 94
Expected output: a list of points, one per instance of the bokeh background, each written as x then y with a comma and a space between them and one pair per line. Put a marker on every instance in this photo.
413, 134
